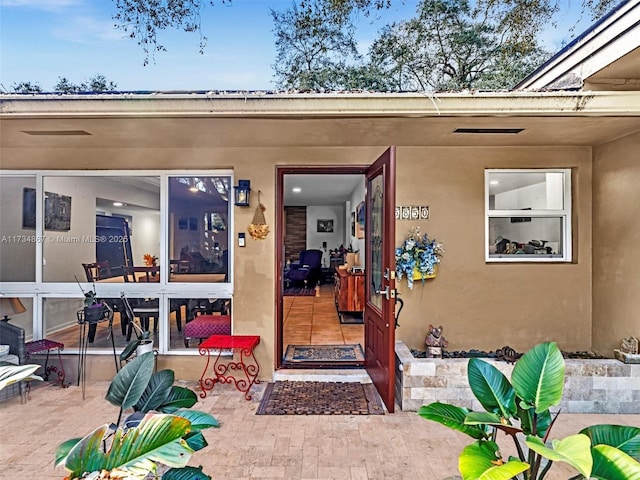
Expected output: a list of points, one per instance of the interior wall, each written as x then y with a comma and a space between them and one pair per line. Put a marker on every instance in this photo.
333, 239
480, 305
616, 241
17, 246
357, 243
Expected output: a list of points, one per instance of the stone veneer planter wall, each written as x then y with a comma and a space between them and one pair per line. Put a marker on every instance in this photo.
591, 386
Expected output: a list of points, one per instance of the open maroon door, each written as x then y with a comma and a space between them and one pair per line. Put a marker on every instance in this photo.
379, 311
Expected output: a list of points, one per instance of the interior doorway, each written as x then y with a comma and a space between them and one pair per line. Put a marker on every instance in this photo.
319, 241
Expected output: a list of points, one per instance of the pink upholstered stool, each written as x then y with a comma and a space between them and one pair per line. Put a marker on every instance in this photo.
203, 326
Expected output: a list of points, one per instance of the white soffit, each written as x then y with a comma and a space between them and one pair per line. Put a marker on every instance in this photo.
608, 40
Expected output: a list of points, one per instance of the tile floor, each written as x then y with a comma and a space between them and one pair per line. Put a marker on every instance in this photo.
314, 321
247, 446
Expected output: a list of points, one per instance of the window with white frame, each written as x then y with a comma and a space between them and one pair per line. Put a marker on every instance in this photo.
161, 238
528, 215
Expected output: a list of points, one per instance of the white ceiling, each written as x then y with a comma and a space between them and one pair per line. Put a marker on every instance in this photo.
320, 189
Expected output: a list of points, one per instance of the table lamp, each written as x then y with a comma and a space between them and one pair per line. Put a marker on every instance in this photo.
10, 306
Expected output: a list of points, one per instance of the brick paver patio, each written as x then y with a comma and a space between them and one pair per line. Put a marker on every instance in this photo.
247, 446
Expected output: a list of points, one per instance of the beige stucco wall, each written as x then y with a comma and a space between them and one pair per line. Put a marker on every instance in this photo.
488, 306
480, 305
616, 241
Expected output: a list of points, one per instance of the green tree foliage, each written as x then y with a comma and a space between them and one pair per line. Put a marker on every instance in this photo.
454, 45
26, 87
314, 42
97, 83
142, 20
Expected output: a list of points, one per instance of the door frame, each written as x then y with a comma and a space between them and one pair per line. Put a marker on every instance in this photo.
281, 171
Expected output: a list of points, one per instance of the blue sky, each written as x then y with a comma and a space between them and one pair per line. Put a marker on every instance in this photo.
41, 40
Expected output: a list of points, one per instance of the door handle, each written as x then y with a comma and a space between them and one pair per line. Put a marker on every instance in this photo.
384, 292
388, 293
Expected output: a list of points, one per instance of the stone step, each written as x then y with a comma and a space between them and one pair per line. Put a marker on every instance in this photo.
322, 375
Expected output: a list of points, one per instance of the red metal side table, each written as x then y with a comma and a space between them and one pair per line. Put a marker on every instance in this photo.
241, 345
45, 345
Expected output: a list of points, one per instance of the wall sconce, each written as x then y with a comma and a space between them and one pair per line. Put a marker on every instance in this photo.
10, 306
242, 193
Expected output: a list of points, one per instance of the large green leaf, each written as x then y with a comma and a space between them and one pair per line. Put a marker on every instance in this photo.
195, 440
452, 417
63, 450
158, 439
129, 383
186, 473
157, 391
482, 461
543, 420
622, 437
11, 373
493, 419
199, 420
538, 377
574, 450
179, 397
491, 388
610, 463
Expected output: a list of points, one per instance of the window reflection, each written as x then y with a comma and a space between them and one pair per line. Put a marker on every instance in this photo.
198, 229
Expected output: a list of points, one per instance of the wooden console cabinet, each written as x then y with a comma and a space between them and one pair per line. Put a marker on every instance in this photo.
349, 291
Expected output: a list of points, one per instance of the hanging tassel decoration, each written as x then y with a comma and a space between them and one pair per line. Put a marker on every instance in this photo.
258, 228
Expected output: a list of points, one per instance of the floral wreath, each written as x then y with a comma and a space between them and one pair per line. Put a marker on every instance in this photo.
417, 257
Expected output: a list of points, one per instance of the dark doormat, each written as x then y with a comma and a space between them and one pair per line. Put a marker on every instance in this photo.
320, 398
351, 318
299, 292
332, 354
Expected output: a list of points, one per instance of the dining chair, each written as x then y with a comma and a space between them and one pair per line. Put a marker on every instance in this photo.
97, 271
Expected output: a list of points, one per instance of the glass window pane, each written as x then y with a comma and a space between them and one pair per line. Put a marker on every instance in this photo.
61, 323
193, 320
18, 229
527, 236
376, 187
526, 191
112, 221
20, 319
198, 229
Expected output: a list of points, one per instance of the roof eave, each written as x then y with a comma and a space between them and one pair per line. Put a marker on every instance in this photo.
519, 103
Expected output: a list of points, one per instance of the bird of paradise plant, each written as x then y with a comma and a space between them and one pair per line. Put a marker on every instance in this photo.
521, 410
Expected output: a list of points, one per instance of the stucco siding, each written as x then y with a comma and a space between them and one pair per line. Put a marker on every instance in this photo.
616, 241
482, 305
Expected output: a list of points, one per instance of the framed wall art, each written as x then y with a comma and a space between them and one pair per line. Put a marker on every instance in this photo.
57, 210
325, 225
360, 220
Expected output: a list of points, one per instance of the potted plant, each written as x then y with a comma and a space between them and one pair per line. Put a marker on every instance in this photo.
521, 410
162, 432
140, 344
93, 311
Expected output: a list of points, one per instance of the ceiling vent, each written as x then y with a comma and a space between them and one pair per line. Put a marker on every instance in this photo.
56, 132
490, 131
